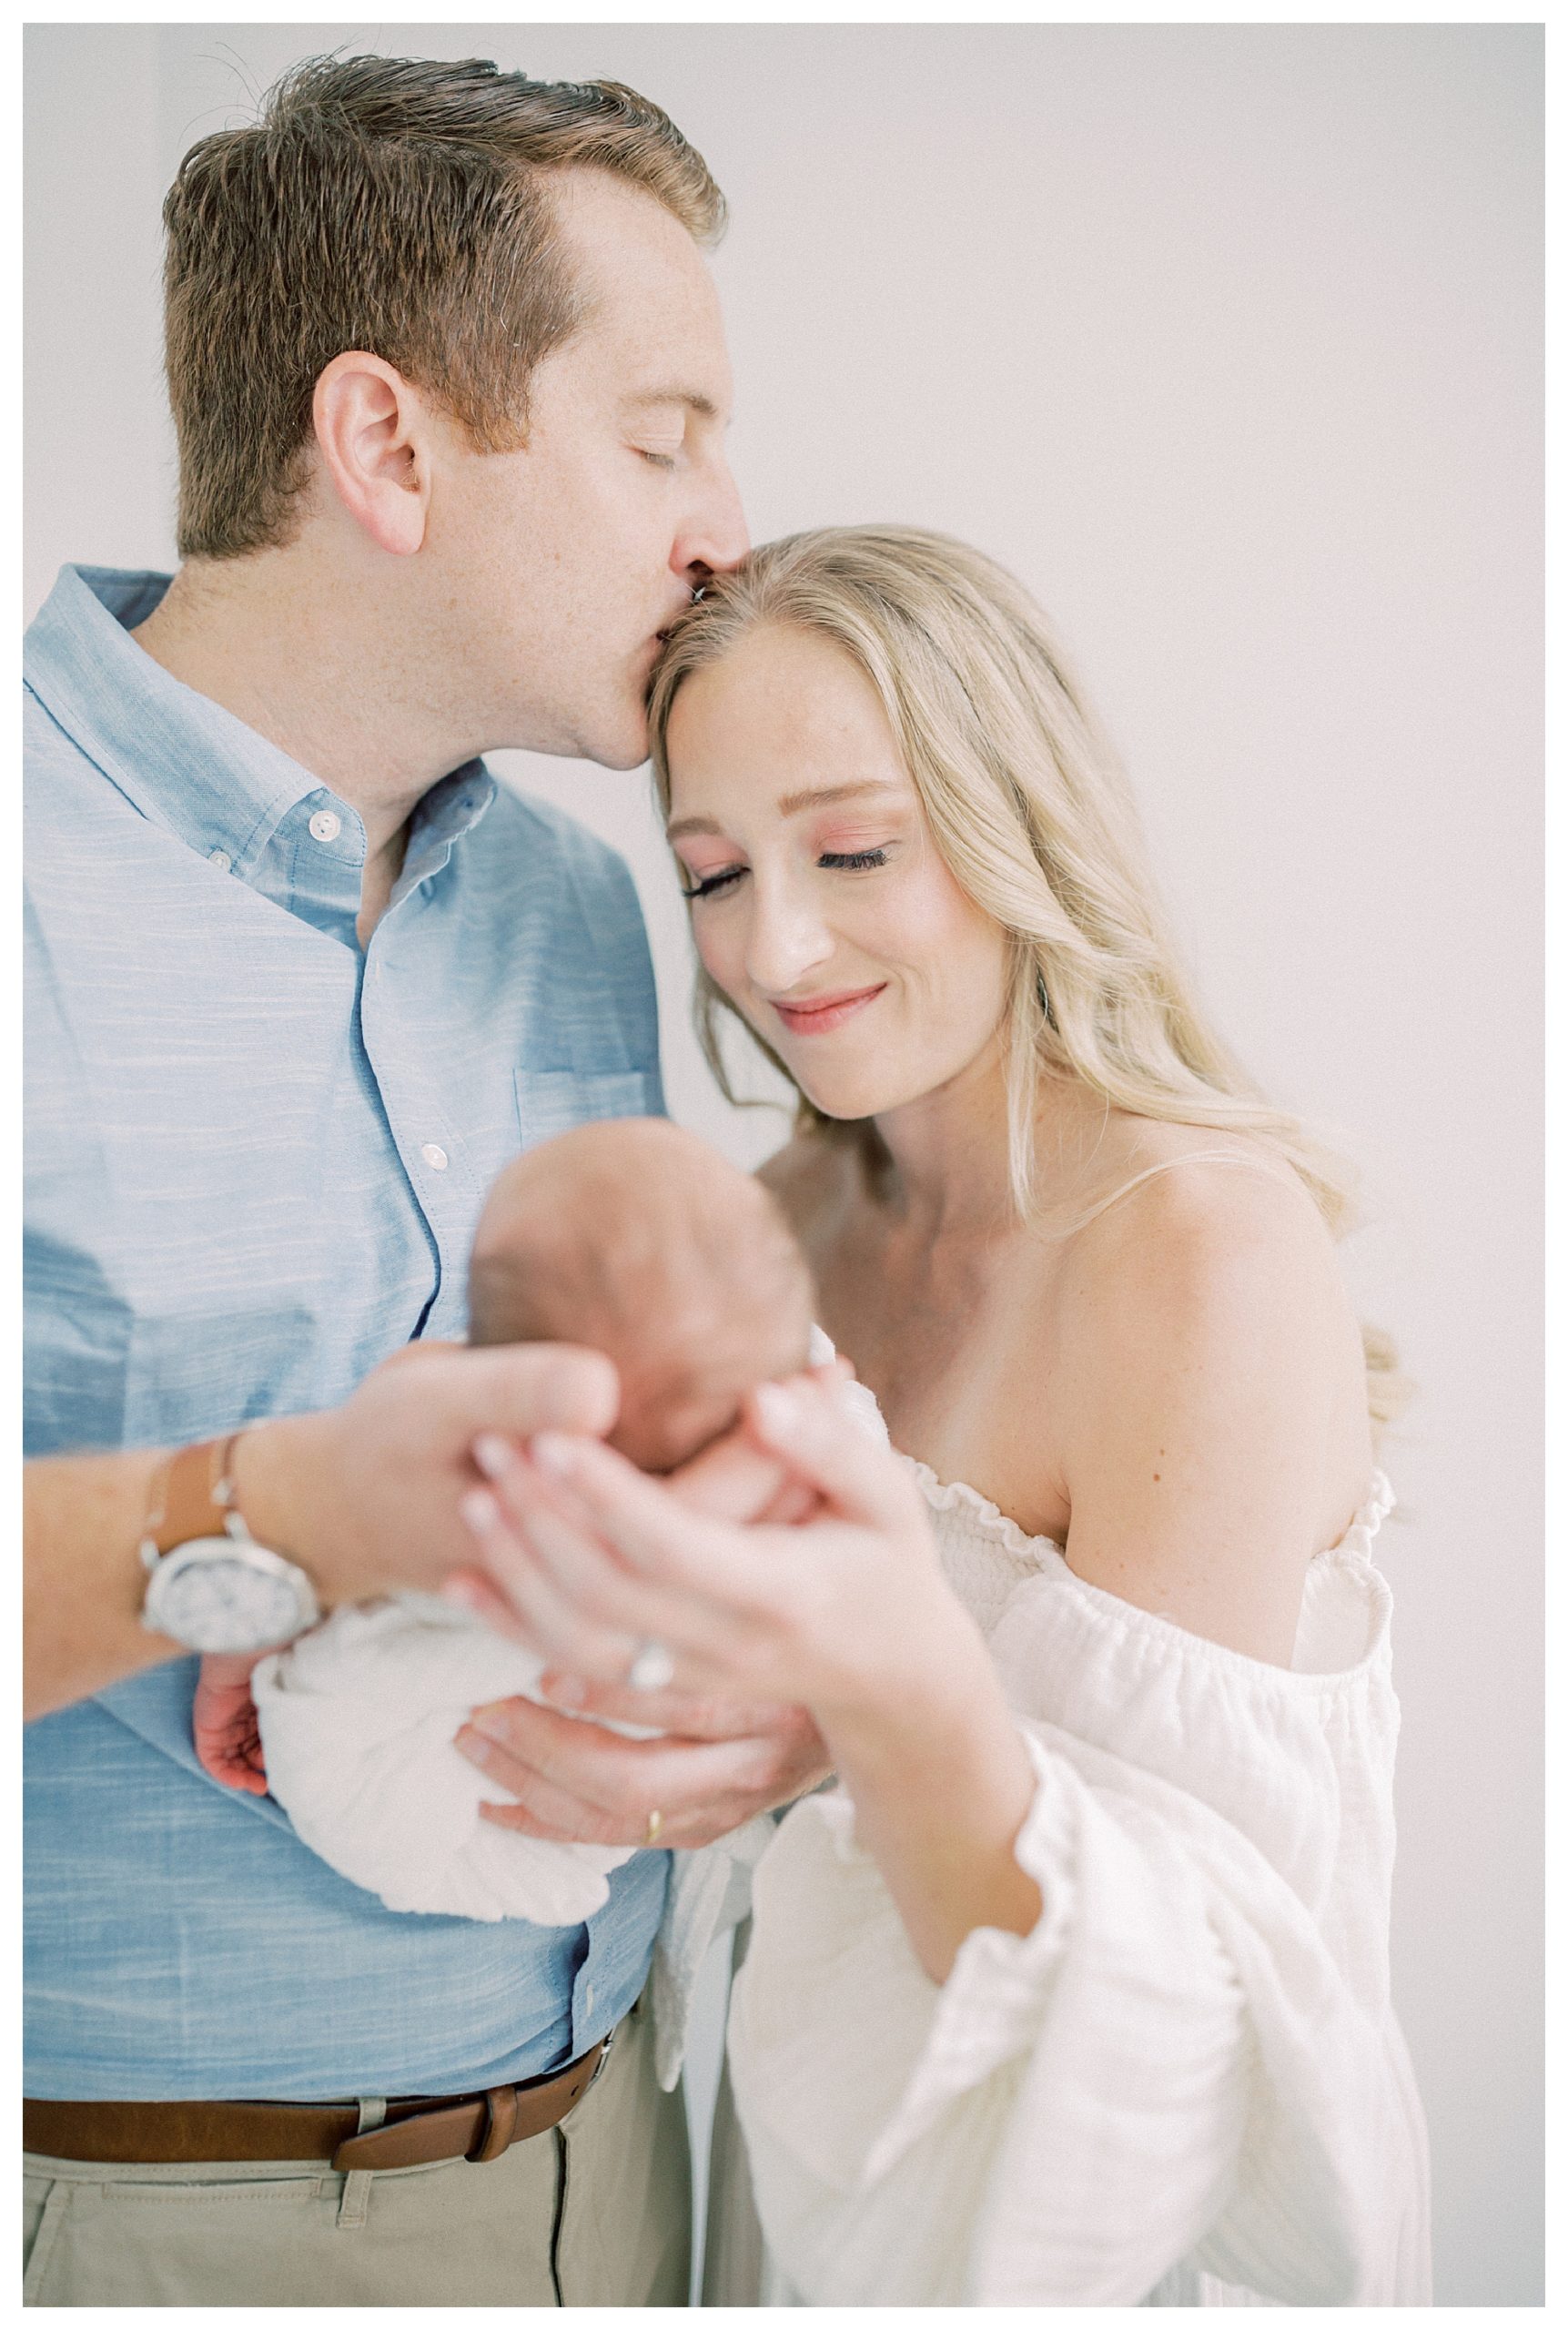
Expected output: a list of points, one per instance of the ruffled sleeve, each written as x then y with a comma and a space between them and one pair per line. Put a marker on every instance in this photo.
1173, 2067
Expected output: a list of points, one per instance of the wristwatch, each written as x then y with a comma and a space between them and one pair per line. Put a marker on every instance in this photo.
210, 1585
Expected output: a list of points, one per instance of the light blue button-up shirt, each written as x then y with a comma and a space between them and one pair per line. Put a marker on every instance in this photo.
256, 1155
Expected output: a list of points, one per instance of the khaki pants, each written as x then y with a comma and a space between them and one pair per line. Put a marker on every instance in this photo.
594, 2213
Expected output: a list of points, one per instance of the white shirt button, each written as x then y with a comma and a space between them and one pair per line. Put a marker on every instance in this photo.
326, 825
434, 1156
221, 858
587, 1997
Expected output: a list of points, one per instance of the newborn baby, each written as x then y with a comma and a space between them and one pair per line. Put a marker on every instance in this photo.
634, 1239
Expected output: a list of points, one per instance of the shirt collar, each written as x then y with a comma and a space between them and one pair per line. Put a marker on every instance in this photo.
444, 815
182, 759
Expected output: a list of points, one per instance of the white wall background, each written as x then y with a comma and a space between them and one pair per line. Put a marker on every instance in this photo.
1227, 340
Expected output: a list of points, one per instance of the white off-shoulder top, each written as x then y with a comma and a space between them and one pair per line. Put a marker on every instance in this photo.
1186, 2085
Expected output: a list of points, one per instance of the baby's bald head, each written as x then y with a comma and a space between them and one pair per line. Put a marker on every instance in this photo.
638, 1240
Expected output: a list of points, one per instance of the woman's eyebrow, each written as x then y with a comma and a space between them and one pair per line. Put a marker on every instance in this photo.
789, 805
818, 797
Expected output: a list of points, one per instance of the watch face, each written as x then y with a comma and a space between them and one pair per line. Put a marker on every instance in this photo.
212, 1593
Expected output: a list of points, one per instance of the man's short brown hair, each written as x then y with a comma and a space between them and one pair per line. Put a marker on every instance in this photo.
396, 206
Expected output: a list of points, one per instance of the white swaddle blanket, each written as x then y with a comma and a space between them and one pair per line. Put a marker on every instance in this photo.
358, 1720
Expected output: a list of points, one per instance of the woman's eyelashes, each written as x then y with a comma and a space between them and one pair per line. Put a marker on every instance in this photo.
850, 861
708, 885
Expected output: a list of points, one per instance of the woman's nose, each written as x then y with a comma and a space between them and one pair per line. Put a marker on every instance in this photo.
786, 942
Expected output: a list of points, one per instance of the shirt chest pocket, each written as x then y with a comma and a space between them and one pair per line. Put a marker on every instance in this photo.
552, 1100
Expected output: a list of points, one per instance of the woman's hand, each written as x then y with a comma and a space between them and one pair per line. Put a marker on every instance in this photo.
715, 1764
590, 1560
846, 1611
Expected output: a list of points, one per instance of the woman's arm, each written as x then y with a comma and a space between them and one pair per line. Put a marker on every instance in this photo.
942, 1784
848, 1614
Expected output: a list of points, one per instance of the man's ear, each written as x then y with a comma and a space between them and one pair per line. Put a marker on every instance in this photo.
374, 434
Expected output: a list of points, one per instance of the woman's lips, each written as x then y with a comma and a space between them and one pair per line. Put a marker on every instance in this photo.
815, 1017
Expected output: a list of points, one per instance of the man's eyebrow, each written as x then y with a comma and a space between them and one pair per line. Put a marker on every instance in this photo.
695, 398
789, 805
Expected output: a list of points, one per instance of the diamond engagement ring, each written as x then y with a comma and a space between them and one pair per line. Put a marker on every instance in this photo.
655, 1822
652, 1668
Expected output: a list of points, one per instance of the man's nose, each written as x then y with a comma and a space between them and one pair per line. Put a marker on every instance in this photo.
716, 538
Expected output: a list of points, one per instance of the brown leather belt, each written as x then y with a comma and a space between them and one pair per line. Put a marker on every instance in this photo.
418, 2129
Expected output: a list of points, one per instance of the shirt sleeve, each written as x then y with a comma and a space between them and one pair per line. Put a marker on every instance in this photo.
1168, 2067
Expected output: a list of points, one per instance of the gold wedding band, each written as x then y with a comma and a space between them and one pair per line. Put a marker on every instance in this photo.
655, 1822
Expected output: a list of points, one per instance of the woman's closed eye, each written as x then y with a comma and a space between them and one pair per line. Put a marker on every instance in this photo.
708, 885
851, 861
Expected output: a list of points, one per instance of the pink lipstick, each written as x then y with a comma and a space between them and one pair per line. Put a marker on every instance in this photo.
820, 1013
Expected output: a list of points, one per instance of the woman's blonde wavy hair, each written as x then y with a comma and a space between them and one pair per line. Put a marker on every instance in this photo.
1032, 814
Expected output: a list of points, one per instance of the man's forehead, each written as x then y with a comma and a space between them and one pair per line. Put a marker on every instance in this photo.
651, 325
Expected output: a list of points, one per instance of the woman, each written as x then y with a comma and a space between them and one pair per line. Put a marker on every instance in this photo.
1077, 1989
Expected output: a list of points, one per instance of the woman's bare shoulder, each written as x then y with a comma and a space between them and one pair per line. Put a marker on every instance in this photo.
1219, 1263
1197, 1218
1213, 1428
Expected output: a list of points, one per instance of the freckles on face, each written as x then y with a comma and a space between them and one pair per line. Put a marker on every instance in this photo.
823, 907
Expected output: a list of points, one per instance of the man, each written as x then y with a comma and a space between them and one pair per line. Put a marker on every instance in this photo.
450, 386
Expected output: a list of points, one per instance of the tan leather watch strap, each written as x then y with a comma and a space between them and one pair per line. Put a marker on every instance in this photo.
196, 1494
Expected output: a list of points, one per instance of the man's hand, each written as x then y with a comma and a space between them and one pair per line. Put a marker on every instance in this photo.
719, 1764
365, 1496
